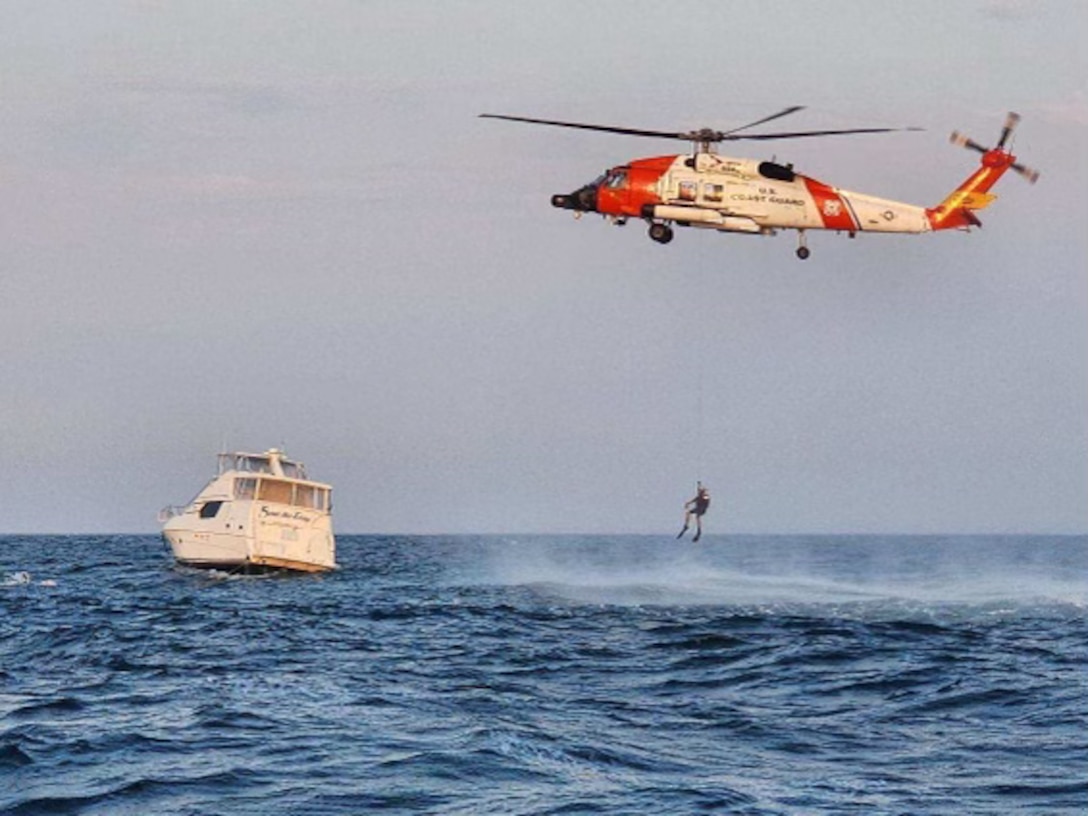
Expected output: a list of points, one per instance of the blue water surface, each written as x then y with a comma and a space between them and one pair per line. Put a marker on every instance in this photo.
548, 675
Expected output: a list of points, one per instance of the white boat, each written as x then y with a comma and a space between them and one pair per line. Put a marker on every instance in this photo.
259, 512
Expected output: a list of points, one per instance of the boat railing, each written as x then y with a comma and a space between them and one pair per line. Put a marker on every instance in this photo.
170, 511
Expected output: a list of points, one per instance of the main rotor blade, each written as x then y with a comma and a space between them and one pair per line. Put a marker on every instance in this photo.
662, 134
705, 135
801, 134
765, 119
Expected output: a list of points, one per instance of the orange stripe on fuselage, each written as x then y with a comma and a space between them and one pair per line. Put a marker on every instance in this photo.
834, 212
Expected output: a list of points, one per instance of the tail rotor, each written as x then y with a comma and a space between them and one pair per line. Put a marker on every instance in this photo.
998, 152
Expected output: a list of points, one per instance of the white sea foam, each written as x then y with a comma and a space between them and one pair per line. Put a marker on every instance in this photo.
24, 578
661, 573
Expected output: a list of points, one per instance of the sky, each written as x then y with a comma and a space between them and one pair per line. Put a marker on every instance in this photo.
244, 225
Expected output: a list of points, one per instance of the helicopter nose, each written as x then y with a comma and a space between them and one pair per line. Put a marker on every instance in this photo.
583, 199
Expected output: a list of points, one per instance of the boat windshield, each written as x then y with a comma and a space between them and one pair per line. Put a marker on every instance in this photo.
293, 470
280, 492
250, 463
244, 462
245, 488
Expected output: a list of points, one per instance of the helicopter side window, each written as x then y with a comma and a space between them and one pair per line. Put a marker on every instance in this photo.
688, 189
713, 192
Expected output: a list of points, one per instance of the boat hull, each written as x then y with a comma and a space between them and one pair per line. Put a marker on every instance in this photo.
207, 550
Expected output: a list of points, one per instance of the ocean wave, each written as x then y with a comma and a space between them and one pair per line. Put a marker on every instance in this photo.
549, 675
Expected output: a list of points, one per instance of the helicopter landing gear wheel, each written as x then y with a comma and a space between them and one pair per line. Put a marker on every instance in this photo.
802, 250
662, 233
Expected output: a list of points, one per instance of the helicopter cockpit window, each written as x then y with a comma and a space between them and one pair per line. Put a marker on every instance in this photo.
616, 179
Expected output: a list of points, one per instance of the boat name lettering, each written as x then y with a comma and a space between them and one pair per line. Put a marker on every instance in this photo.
294, 515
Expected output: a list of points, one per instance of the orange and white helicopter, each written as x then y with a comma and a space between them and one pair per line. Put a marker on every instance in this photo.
704, 189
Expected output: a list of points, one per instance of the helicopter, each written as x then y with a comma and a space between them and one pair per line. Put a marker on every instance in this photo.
707, 190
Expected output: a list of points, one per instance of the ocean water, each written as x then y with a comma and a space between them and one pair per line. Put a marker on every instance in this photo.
548, 675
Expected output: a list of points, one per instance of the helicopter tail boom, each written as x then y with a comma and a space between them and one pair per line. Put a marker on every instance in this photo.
957, 211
